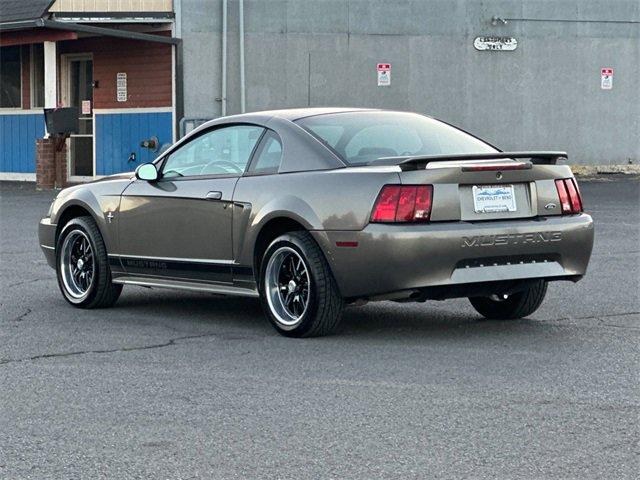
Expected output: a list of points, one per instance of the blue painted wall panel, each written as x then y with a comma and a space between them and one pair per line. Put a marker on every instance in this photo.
18, 135
119, 134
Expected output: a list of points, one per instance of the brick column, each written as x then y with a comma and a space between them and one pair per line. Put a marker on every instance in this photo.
51, 166
45, 163
61, 167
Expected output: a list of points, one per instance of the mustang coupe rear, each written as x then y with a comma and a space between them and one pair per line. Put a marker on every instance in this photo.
313, 209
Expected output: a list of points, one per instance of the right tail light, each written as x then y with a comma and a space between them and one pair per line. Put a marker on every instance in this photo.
570, 200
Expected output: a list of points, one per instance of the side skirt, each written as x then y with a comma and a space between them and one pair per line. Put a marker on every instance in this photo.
221, 277
184, 285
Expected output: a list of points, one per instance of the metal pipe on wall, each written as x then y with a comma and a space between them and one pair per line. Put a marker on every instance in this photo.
223, 95
242, 83
177, 22
177, 99
50, 76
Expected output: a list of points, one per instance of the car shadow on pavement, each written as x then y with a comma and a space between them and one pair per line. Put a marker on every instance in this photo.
424, 321
188, 311
194, 312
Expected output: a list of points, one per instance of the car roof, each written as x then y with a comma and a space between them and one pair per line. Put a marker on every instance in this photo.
296, 113
304, 153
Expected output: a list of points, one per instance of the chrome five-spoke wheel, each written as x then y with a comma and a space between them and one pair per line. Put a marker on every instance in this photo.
82, 265
287, 286
297, 291
77, 264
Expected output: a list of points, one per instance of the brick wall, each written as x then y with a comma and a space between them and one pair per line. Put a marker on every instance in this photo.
147, 65
51, 165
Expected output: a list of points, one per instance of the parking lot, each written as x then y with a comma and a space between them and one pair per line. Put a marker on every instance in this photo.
183, 385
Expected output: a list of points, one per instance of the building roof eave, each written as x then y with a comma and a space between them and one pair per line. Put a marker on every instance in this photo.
76, 27
21, 24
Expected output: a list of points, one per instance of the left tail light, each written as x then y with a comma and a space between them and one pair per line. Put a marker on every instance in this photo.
570, 200
403, 204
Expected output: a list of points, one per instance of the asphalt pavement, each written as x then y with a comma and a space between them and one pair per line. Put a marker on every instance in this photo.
183, 385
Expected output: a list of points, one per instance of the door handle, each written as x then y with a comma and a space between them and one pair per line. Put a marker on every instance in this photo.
213, 196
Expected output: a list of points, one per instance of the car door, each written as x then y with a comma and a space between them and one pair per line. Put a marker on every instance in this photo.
180, 226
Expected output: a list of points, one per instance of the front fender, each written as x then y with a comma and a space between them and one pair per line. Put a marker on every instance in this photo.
98, 199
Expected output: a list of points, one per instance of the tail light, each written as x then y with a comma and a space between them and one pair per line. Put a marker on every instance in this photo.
570, 200
403, 204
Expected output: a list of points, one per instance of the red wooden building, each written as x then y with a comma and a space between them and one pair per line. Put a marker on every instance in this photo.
117, 68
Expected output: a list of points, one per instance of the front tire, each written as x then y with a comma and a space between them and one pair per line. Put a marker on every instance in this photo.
298, 292
82, 266
509, 307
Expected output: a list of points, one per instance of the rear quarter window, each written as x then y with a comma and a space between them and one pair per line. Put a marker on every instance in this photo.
268, 155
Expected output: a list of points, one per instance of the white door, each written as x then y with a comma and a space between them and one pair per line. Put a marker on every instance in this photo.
79, 94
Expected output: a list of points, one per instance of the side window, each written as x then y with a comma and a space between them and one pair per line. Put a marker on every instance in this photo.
268, 156
224, 151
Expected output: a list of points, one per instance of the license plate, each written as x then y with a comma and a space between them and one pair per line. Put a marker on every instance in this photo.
493, 198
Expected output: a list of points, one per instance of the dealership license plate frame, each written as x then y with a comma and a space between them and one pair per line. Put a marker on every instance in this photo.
494, 198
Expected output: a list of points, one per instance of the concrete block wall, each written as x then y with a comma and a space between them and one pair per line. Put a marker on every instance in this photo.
544, 95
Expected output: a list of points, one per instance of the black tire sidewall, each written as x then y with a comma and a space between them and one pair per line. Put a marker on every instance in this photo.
518, 305
79, 224
306, 322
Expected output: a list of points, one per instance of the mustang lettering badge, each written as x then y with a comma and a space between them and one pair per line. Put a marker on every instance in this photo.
511, 239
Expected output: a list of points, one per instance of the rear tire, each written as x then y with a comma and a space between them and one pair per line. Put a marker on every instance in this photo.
82, 266
299, 295
517, 305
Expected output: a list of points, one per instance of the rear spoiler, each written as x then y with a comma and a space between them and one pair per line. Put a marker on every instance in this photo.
536, 158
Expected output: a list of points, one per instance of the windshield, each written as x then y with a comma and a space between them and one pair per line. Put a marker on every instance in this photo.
362, 138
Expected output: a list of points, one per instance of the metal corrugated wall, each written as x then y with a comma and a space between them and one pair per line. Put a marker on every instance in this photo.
18, 134
119, 134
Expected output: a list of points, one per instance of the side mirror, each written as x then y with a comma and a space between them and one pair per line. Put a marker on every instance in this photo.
147, 172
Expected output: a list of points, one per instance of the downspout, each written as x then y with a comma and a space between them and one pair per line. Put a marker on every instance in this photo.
223, 95
242, 83
50, 76
178, 71
177, 23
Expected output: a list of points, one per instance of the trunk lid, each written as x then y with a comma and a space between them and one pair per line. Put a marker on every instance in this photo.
461, 189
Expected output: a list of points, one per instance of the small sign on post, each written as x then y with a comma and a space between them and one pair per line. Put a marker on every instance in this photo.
86, 107
606, 78
121, 87
384, 74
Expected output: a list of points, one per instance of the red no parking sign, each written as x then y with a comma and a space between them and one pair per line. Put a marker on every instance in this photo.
384, 74
606, 78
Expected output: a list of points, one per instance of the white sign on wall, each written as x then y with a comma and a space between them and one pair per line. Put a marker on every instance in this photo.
606, 78
384, 74
121, 87
505, 44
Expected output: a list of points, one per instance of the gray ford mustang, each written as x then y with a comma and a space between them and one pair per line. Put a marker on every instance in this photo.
312, 209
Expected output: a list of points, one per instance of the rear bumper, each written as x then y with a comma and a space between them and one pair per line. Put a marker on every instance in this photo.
47, 239
395, 258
